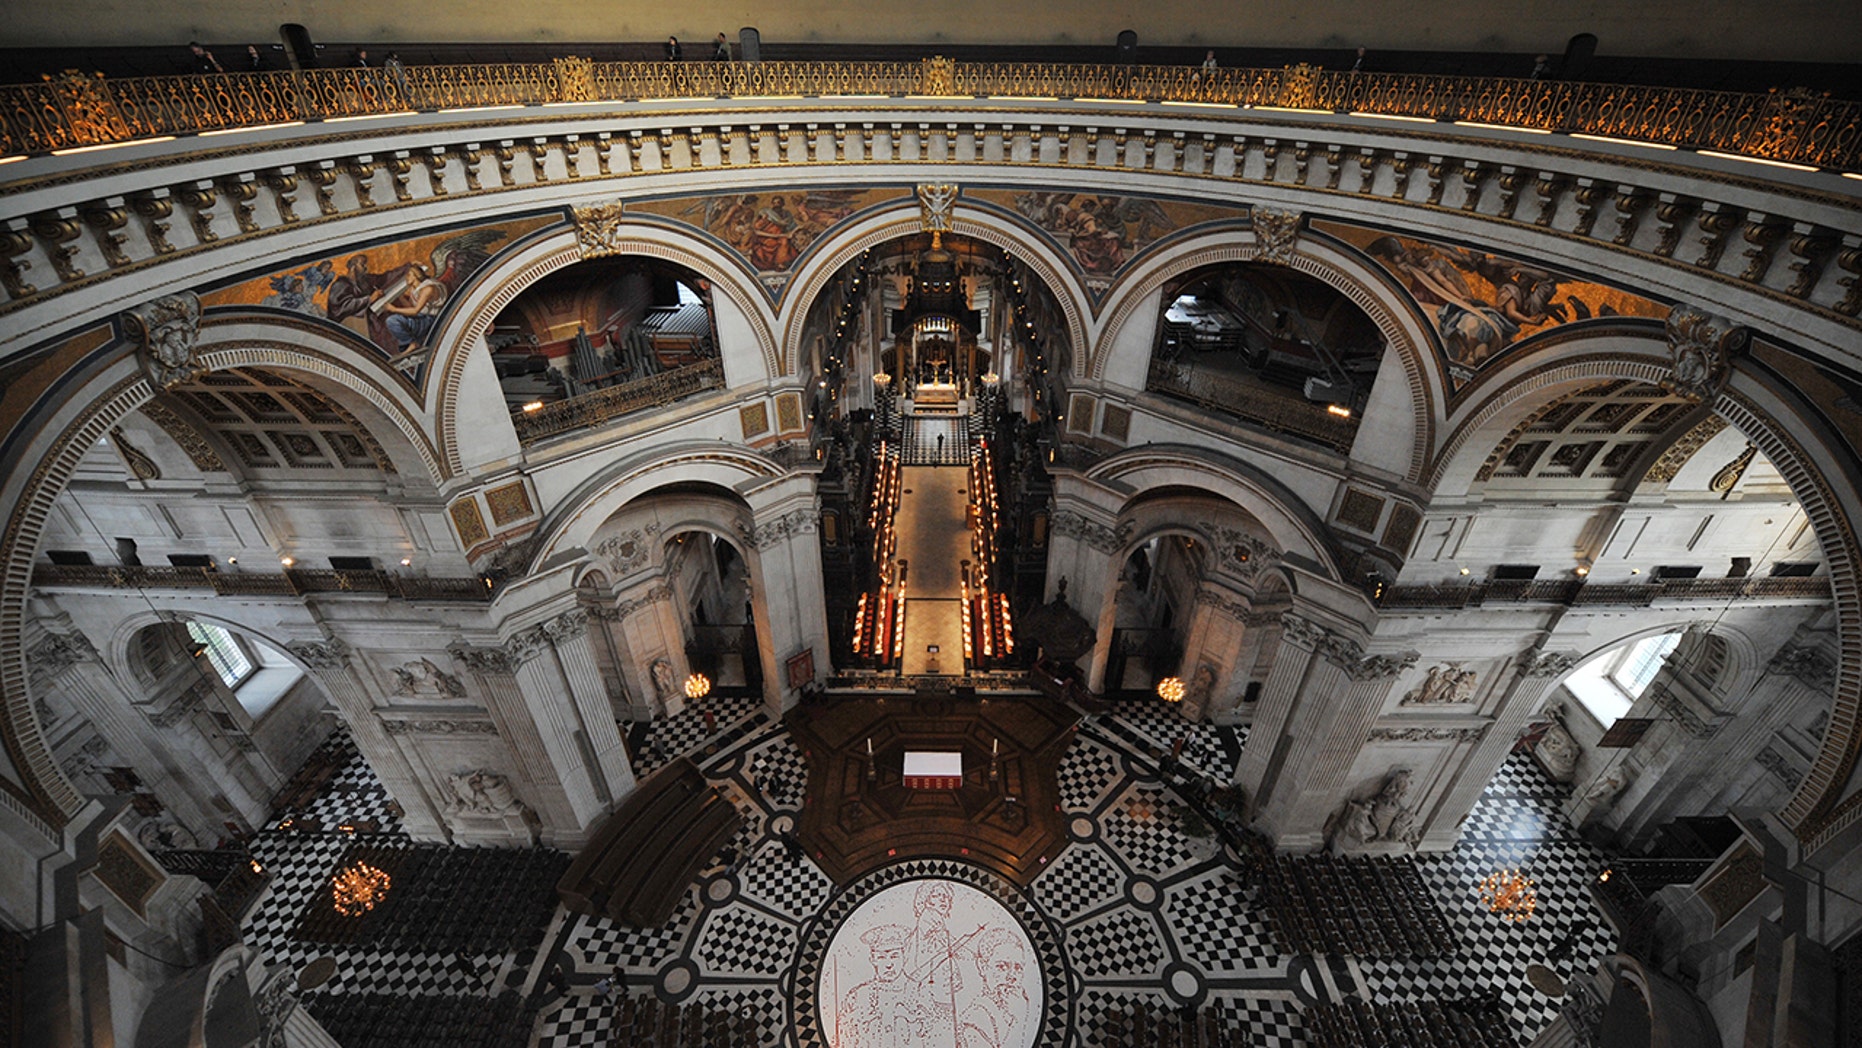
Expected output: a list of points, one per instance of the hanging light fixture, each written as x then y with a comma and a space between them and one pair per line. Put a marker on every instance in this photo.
356, 889
697, 686
1170, 689
1510, 894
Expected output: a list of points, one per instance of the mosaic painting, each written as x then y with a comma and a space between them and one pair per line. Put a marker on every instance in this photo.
1483, 304
930, 962
771, 230
390, 294
1103, 231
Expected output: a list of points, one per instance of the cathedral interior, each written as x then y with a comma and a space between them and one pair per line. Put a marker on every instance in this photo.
840, 545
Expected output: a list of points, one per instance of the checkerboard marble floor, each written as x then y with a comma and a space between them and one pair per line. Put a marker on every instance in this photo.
1136, 905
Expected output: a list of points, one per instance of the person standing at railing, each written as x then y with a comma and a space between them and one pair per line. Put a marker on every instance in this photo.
255, 59
204, 62
1541, 68
1357, 66
1209, 64
721, 49
673, 51
397, 76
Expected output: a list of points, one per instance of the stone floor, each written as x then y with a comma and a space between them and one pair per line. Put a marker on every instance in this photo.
1136, 910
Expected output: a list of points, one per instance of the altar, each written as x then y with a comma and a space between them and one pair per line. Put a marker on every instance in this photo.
933, 770
935, 396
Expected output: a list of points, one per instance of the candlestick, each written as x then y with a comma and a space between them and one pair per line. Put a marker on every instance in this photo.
992, 746
869, 746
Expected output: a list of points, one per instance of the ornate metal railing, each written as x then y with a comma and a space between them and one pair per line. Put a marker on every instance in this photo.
1576, 591
605, 405
290, 582
1248, 402
74, 109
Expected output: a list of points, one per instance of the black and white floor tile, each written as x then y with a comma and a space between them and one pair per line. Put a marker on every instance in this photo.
1143, 917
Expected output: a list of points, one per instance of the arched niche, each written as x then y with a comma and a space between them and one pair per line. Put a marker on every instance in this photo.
463, 383
71, 426
1409, 395
828, 258
1287, 522
1812, 461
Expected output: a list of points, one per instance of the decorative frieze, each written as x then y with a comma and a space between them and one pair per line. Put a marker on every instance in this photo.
1463, 734
1098, 536
1383, 667
438, 726
1808, 663
484, 660
772, 533
57, 652
1550, 664
1773, 761
321, 654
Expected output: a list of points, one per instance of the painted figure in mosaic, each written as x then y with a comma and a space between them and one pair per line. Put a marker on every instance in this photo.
886, 1011
772, 232
998, 1017
931, 962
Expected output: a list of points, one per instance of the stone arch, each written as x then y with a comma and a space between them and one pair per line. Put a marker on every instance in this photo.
902, 219
1345, 271
1291, 524
1754, 404
124, 634
45, 797
574, 522
509, 276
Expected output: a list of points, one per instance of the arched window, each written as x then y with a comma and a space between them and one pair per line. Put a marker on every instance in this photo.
228, 656
1610, 684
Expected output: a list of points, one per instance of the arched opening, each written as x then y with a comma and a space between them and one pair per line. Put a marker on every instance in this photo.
1267, 345
710, 581
602, 339
1156, 590
227, 719
932, 350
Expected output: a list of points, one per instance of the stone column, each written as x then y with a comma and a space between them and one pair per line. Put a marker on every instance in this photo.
568, 632
329, 662
1082, 540
1537, 673
1326, 742
1306, 727
495, 672
790, 599
67, 665
1298, 639
1214, 640
546, 695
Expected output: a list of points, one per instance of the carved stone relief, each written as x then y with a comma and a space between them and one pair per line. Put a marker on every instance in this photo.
1381, 818
1446, 684
422, 677
1702, 347
166, 332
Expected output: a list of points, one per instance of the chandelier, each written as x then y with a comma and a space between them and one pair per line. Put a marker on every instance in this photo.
356, 889
1509, 894
1170, 689
697, 686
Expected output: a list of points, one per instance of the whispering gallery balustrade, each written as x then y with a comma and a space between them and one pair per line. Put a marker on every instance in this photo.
75, 110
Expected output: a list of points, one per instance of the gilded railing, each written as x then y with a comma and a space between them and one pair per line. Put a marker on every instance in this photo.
609, 403
1578, 591
291, 582
75, 110
1252, 403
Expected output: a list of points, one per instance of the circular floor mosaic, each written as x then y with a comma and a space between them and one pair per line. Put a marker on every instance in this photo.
929, 954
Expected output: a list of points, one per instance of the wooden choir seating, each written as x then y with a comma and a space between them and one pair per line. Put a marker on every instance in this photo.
642, 859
